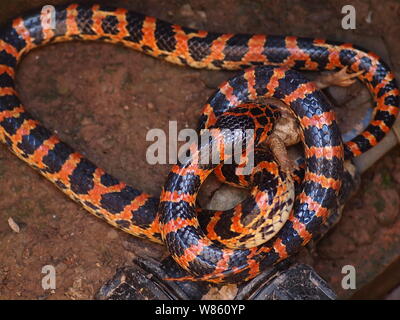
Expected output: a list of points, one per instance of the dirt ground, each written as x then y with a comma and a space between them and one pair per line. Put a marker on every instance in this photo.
103, 99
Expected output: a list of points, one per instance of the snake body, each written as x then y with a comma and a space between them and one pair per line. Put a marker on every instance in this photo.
136, 212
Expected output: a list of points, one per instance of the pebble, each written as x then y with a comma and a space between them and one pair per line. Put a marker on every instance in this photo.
202, 14
13, 225
186, 10
86, 121
112, 234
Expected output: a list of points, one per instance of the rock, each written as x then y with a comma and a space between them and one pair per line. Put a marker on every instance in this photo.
207, 191
226, 198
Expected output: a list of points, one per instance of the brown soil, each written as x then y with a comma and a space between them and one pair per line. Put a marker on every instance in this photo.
102, 100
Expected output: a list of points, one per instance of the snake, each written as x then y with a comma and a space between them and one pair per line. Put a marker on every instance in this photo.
267, 65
